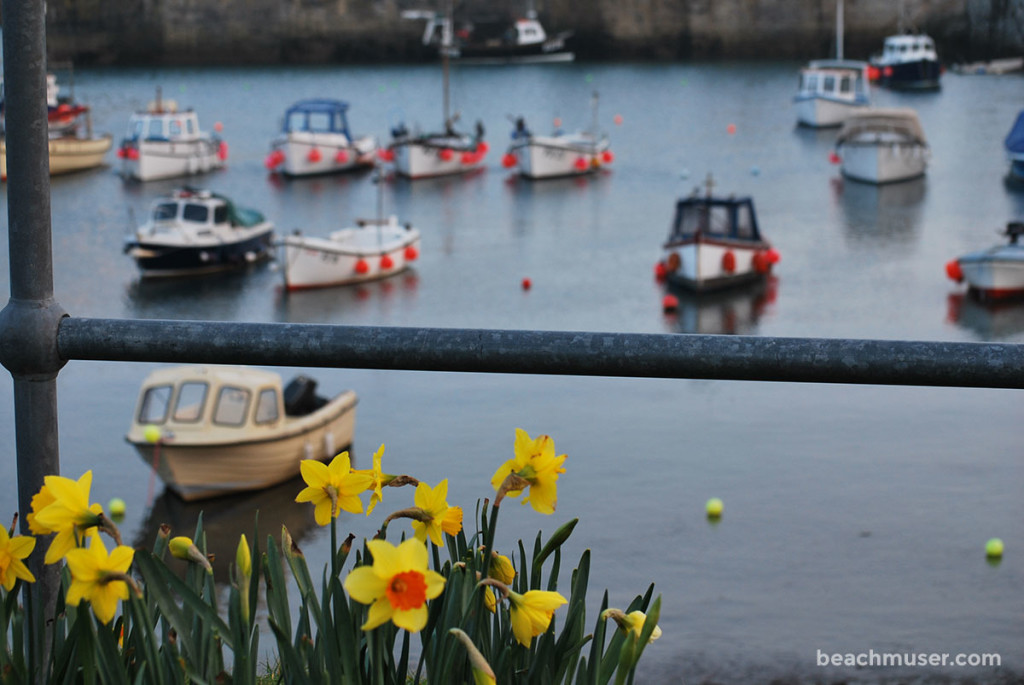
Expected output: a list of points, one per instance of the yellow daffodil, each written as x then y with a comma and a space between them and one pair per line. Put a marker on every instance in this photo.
332, 487
98, 577
377, 484
534, 466
243, 574
490, 601
633, 621
502, 569
397, 585
482, 672
69, 515
12, 551
532, 612
442, 518
40, 501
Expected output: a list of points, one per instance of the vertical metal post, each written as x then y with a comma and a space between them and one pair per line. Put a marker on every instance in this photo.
29, 322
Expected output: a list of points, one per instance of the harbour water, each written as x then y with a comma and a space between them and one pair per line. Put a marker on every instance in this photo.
855, 516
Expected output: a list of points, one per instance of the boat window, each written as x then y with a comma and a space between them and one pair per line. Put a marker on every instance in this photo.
812, 82
188, 126
232, 405
296, 121
165, 211
175, 127
155, 402
220, 214
830, 84
135, 129
189, 405
845, 85
319, 121
156, 128
196, 213
266, 406
903, 48
717, 221
745, 223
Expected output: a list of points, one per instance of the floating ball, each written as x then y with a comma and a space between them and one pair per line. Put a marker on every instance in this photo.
834, 158
558, 122
527, 284
669, 303
994, 549
755, 170
218, 127
730, 129
116, 507
617, 119
714, 508
151, 433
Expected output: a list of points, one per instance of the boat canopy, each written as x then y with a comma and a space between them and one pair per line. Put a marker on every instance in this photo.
318, 116
1015, 138
726, 218
902, 121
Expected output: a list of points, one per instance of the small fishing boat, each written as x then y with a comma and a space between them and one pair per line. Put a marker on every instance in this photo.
1014, 145
882, 146
372, 249
908, 62
315, 139
715, 243
198, 232
163, 142
559, 154
995, 273
214, 430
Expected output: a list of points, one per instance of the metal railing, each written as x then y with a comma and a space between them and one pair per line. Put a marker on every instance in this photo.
37, 337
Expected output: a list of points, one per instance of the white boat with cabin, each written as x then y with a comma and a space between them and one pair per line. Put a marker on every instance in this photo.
165, 142
315, 139
560, 154
908, 62
215, 430
883, 146
995, 273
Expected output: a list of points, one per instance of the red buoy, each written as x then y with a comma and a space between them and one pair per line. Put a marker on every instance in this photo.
729, 261
411, 253
222, 151
314, 155
218, 127
773, 256
274, 159
341, 157
761, 263
607, 157
834, 157
953, 271
508, 161
362, 267
581, 164
386, 262
445, 154
482, 147
133, 153
617, 119
660, 271
669, 303
122, 152
730, 129
386, 154
527, 284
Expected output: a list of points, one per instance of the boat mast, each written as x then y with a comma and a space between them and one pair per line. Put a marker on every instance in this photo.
839, 29
446, 45
593, 106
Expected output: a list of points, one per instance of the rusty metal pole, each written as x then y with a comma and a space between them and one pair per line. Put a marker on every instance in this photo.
29, 322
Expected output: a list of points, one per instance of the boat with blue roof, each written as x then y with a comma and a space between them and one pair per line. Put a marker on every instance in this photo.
315, 139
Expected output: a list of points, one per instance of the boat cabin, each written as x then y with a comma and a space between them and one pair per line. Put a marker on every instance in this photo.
163, 122
726, 219
199, 208
835, 79
317, 116
908, 48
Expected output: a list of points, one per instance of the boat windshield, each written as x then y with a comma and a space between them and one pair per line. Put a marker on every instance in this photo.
165, 211
188, 408
232, 406
715, 218
196, 213
155, 403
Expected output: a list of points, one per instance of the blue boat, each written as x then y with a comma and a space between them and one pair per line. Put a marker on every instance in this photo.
1014, 144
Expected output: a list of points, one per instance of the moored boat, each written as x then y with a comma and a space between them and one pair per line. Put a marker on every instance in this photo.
559, 154
908, 62
995, 273
1014, 144
715, 243
213, 430
315, 139
198, 232
165, 142
882, 146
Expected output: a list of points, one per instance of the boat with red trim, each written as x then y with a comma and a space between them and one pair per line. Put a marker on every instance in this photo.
995, 273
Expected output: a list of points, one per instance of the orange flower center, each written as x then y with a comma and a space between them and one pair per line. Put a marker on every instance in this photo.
407, 590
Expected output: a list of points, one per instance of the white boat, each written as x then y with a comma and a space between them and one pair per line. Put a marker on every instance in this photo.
163, 142
315, 139
214, 430
198, 232
418, 154
372, 249
883, 146
559, 154
995, 273
715, 243
908, 62
830, 90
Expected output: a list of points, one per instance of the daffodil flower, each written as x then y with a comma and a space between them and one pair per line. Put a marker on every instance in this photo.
531, 613
440, 518
381, 480
502, 569
40, 501
12, 551
633, 621
397, 585
98, 577
332, 487
534, 466
69, 515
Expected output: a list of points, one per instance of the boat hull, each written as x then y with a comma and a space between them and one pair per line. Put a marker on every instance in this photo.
921, 74
426, 160
822, 112
995, 273
334, 153
155, 160
161, 260
68, 154
702, 264
883, 162
552, 157
311, 262
196, 470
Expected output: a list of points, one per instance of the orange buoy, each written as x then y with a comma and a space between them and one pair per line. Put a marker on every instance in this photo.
314, 156
669, 303
730, 129
274, 159
411, 253
362, 266
508, 161
386, 262
954, 271
760, 262
527, 284
729, 261
558, 122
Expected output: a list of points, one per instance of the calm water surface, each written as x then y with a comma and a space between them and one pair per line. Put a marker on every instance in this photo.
855, 517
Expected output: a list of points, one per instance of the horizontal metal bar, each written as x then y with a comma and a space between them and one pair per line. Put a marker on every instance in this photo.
752, 358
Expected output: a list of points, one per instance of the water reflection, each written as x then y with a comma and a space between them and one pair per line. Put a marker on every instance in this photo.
213, 296
335, 303
226, 518
882, 215
729, 312
987, 320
